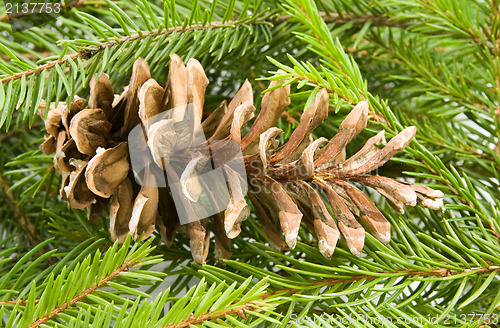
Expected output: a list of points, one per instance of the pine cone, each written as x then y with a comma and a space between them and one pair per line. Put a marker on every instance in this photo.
284, 183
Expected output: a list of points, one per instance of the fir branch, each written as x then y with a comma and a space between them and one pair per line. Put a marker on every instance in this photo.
427, 77
91, 51
321, 41
432, 272
241, 309
82, 54
479, 38
124, 267
71, 283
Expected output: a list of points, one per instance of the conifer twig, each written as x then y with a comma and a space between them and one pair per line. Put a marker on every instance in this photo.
433, 272
124, 267
16, 76
322, 42
92, 51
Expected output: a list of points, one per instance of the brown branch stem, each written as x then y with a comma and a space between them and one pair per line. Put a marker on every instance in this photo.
14, 302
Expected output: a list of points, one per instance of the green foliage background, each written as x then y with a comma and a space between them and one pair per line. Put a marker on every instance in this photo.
429, 63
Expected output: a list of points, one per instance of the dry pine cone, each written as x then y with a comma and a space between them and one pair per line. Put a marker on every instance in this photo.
285, 183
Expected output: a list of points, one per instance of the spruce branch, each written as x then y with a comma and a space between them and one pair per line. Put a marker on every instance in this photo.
480, 36
310, 22
82, 282
89, 52
251, 306
427, 77
123, 268
82, 54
